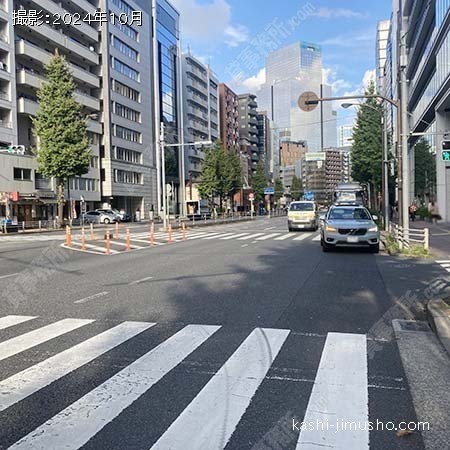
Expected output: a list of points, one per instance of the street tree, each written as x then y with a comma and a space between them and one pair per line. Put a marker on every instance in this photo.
233, 174
259, 182
367, 149
296, 188
60, 128
425, 169
279, 190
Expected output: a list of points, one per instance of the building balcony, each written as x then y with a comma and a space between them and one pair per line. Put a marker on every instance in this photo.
32, 51
27, 106
5, 124
82, 4
25, 77
196, 85
94, 126
82, 27
195, 154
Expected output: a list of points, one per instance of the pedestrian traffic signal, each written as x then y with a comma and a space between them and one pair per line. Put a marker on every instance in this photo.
446, 155
17, 149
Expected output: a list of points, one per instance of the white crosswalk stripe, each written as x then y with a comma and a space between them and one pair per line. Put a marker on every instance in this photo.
233, 236
74, 426
10, 321
252, 236
28, 340
268, 236
302, 237
234, 384
284, 237
340, 389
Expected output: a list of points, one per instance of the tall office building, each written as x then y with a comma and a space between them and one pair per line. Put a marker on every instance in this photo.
382, 40
229, 119
200, 112
345, 135
127, 153
289, 72
167, 90
248, 132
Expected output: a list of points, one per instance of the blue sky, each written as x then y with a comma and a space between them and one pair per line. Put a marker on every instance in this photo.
223, 33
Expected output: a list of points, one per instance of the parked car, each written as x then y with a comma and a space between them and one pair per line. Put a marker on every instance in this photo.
303, 215
350, 226
100, 217
123, 216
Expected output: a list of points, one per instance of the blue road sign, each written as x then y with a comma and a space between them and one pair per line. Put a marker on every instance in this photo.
269, 191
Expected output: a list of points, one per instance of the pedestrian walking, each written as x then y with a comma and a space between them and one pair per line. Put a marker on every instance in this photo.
412, 212
434, 212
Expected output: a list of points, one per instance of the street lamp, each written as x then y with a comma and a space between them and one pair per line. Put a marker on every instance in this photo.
385, 168
163, 146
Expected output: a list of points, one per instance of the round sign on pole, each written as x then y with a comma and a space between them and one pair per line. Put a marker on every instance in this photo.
308, 101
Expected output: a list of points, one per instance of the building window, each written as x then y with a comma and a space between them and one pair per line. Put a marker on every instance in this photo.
124, 48
126, 29
94, 162
127, 134
125, 69
83, 184
126, 91
124, 6
126, 177
21, 174
127, 113
130, 156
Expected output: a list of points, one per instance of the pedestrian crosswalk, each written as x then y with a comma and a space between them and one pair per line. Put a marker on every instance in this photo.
445, 264
208, 419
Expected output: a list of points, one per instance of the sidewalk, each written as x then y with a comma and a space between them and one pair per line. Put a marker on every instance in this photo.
439, 237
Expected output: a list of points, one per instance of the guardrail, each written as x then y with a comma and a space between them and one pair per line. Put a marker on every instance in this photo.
406, 237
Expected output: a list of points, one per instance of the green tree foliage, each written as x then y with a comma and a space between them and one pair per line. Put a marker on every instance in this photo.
60, 129
259, 182
425, 169
367, 150
221, 174
279, 190
296, 188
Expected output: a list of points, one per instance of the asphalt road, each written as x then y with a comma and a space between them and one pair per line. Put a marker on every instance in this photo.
250, 329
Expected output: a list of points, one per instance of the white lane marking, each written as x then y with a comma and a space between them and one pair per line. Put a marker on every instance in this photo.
148, 242
216, 237
267, 236
95, 247
269, 228
340, 393
228, 394
31, 339
244, 245
448, 270
2, 277
445, 265
317, 238
252, 236
91, 297
284, 237
123, 244
206, 234
74, 426
10, 321
143, 280
29, 381
233, 236
443, 262
302, 237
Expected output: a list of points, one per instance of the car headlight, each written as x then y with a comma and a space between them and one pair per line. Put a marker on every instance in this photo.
330, 228
373, 229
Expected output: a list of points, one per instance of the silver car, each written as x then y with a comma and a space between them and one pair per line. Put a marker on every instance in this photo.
100, 217
350, 226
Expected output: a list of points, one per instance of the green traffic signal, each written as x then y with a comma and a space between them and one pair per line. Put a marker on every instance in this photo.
446, 155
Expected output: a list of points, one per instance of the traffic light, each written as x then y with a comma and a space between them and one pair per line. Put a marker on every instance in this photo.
445, 150
17, 149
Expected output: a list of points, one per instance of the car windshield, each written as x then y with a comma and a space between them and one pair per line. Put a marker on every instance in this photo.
302, 207
349, 214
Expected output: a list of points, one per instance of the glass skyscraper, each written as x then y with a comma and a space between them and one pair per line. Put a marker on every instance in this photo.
290, 71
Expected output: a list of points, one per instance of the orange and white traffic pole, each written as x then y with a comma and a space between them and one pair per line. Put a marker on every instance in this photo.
68, 236
184, 231
128, 246
170, 240
108, 243
152, 234
83, 239
117, 230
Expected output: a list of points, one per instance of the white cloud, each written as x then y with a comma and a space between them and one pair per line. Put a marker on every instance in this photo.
350, 40
330, 77
209, 22
239, 84
235, 35
338, 13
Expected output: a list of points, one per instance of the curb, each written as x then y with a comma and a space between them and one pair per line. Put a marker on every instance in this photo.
438, 313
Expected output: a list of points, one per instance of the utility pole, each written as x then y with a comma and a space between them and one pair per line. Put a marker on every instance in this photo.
163, 174
386, 163
404, 127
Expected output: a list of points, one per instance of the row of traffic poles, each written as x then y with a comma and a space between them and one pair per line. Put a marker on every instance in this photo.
117, 235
